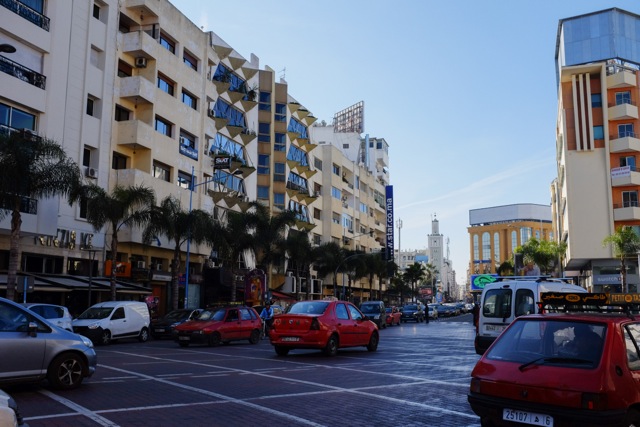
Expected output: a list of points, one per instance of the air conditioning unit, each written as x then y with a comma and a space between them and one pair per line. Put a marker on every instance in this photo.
91, 172
141, 62
140, 264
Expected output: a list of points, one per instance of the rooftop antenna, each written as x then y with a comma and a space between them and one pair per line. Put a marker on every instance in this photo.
284, 73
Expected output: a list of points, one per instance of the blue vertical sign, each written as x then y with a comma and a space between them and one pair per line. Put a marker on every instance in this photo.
388, 201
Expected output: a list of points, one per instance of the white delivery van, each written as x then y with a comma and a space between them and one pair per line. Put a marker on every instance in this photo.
112, 320
507, 298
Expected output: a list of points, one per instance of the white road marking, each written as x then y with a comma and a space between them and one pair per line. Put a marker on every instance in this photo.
79, 410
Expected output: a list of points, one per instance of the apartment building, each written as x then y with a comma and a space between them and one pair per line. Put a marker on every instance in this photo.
597, 145
139, 95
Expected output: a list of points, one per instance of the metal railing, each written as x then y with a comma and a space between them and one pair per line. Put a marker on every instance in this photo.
627, 204
23, 73
27, 13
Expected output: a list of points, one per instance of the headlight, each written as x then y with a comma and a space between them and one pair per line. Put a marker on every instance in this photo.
198, 332
93, 325
86, 341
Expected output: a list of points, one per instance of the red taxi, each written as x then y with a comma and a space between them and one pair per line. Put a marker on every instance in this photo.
322, 324
221, 325
563, 368
393, 316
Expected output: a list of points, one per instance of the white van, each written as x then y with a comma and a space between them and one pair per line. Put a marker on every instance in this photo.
504, 300
112, 320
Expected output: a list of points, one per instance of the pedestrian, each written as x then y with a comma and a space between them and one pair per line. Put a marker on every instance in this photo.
267, 318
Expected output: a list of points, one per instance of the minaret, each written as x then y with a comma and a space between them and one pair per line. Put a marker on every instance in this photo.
435, 247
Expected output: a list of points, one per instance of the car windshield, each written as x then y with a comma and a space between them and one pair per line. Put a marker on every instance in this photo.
177, 315
213, 315
96, 313
550, 341
309, 307
370, 308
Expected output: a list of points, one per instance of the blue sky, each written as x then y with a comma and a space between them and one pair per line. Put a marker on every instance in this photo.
463, 91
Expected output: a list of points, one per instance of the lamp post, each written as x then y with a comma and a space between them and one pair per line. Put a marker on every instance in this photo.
335, 274
92, 258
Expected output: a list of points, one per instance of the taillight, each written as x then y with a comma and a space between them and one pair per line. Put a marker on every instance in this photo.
315, 325
594, 401
475, 385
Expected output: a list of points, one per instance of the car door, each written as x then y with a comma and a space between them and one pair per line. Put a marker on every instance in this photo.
231, 328
118, 323
247, 323
360, 326
345, 325
21, 354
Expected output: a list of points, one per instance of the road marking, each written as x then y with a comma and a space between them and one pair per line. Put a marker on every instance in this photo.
79, 410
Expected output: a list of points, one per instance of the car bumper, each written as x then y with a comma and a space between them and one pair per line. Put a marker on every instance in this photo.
313, 339
93, 334
490, 408
191, 338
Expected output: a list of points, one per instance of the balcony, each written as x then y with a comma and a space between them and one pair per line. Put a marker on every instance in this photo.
624, 143
627, 211
624, 176
136, 134
138, 88
23, 73
623, 112
27, 13
622, 78
140, 44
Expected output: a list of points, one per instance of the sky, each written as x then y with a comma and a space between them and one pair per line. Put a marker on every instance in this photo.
463, 91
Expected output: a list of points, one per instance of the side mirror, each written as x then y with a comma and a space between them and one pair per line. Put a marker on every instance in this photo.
32, 329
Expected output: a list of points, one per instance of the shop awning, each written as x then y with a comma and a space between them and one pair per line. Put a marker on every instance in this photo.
68, 283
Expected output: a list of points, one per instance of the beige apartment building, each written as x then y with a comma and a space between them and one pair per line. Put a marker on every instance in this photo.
139, 95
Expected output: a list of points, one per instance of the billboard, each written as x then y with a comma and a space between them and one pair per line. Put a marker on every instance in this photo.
389, 225
350, 119
479, 281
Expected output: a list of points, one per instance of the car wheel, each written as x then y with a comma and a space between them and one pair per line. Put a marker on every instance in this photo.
214, 339
144, 335
255, 337
66, 371
105, 337
183, 343
632, 419
281, 351
331, 349
373, 342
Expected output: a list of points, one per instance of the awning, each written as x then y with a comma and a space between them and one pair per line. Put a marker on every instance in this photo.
282, 296
68, 283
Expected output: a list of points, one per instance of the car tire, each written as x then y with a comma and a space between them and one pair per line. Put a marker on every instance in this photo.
331, 349
144, 335
281, 351
66, 371
255, 337
105, 337
183, 343
373, 341
215, 339
632, 418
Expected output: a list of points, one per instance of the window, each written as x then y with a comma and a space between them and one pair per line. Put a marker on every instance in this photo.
163, 126
189, 100
278, 200
596, 100
496, 248
189, 60
279, 172
317, 163
184, 180
86, 156
280, 142
281, 113
598, 132
119, 161
187, 140
336, 194
264, 132
15, 118
264, 101
336, 169
167, 43
90, 105
476, 248
486, 246
122, 114
623, 98
165, 85
263, 192
96, 58
626, 130
124, 69
629, 199
264, 165
161, 171
628, 161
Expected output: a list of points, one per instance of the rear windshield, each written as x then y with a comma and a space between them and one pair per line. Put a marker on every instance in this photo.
550, 342
370, 308
309, 307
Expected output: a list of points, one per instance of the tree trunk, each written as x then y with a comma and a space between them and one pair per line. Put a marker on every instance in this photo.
114, 266
14, 254
175, 271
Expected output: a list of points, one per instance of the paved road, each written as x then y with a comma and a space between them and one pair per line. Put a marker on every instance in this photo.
418, 377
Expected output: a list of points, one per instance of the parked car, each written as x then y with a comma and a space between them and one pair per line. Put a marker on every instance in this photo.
393, 316
433, 311
222, 325
164, 326
113, 320
376, 312
412, 313
57, 314
561, 369
32, 350
323, 324
9, 413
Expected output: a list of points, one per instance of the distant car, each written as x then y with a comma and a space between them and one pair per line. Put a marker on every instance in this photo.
56, 314
433, 312
164, 326
393, 316
445, 310
412, 313
9, 413
323, 324
222, 325
32, 350
376, 312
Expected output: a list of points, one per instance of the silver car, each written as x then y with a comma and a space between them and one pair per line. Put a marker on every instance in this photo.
56, 314
32, 350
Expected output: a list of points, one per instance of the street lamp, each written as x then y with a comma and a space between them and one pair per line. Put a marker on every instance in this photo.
92, 258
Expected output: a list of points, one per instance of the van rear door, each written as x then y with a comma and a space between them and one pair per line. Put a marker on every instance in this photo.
496, 311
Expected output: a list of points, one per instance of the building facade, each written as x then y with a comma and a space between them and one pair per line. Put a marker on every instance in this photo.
597, 146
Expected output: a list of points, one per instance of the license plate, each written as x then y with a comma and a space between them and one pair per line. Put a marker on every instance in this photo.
159, 330
530, 418
495, 328
184, 338
290, 339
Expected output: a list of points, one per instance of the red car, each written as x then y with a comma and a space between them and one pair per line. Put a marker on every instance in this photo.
323, 324
393, 316
222, 325
562, 369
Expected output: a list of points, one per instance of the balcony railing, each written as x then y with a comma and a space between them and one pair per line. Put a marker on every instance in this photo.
624, 134
22, 72
627, 204
27, 13
27, 206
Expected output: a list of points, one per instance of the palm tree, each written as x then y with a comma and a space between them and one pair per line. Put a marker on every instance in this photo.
431, 274
123, 207
415, 273
625, 244
179, 226
235, 238
374, 266
299, 250
31, 167
544, 253
328, 257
